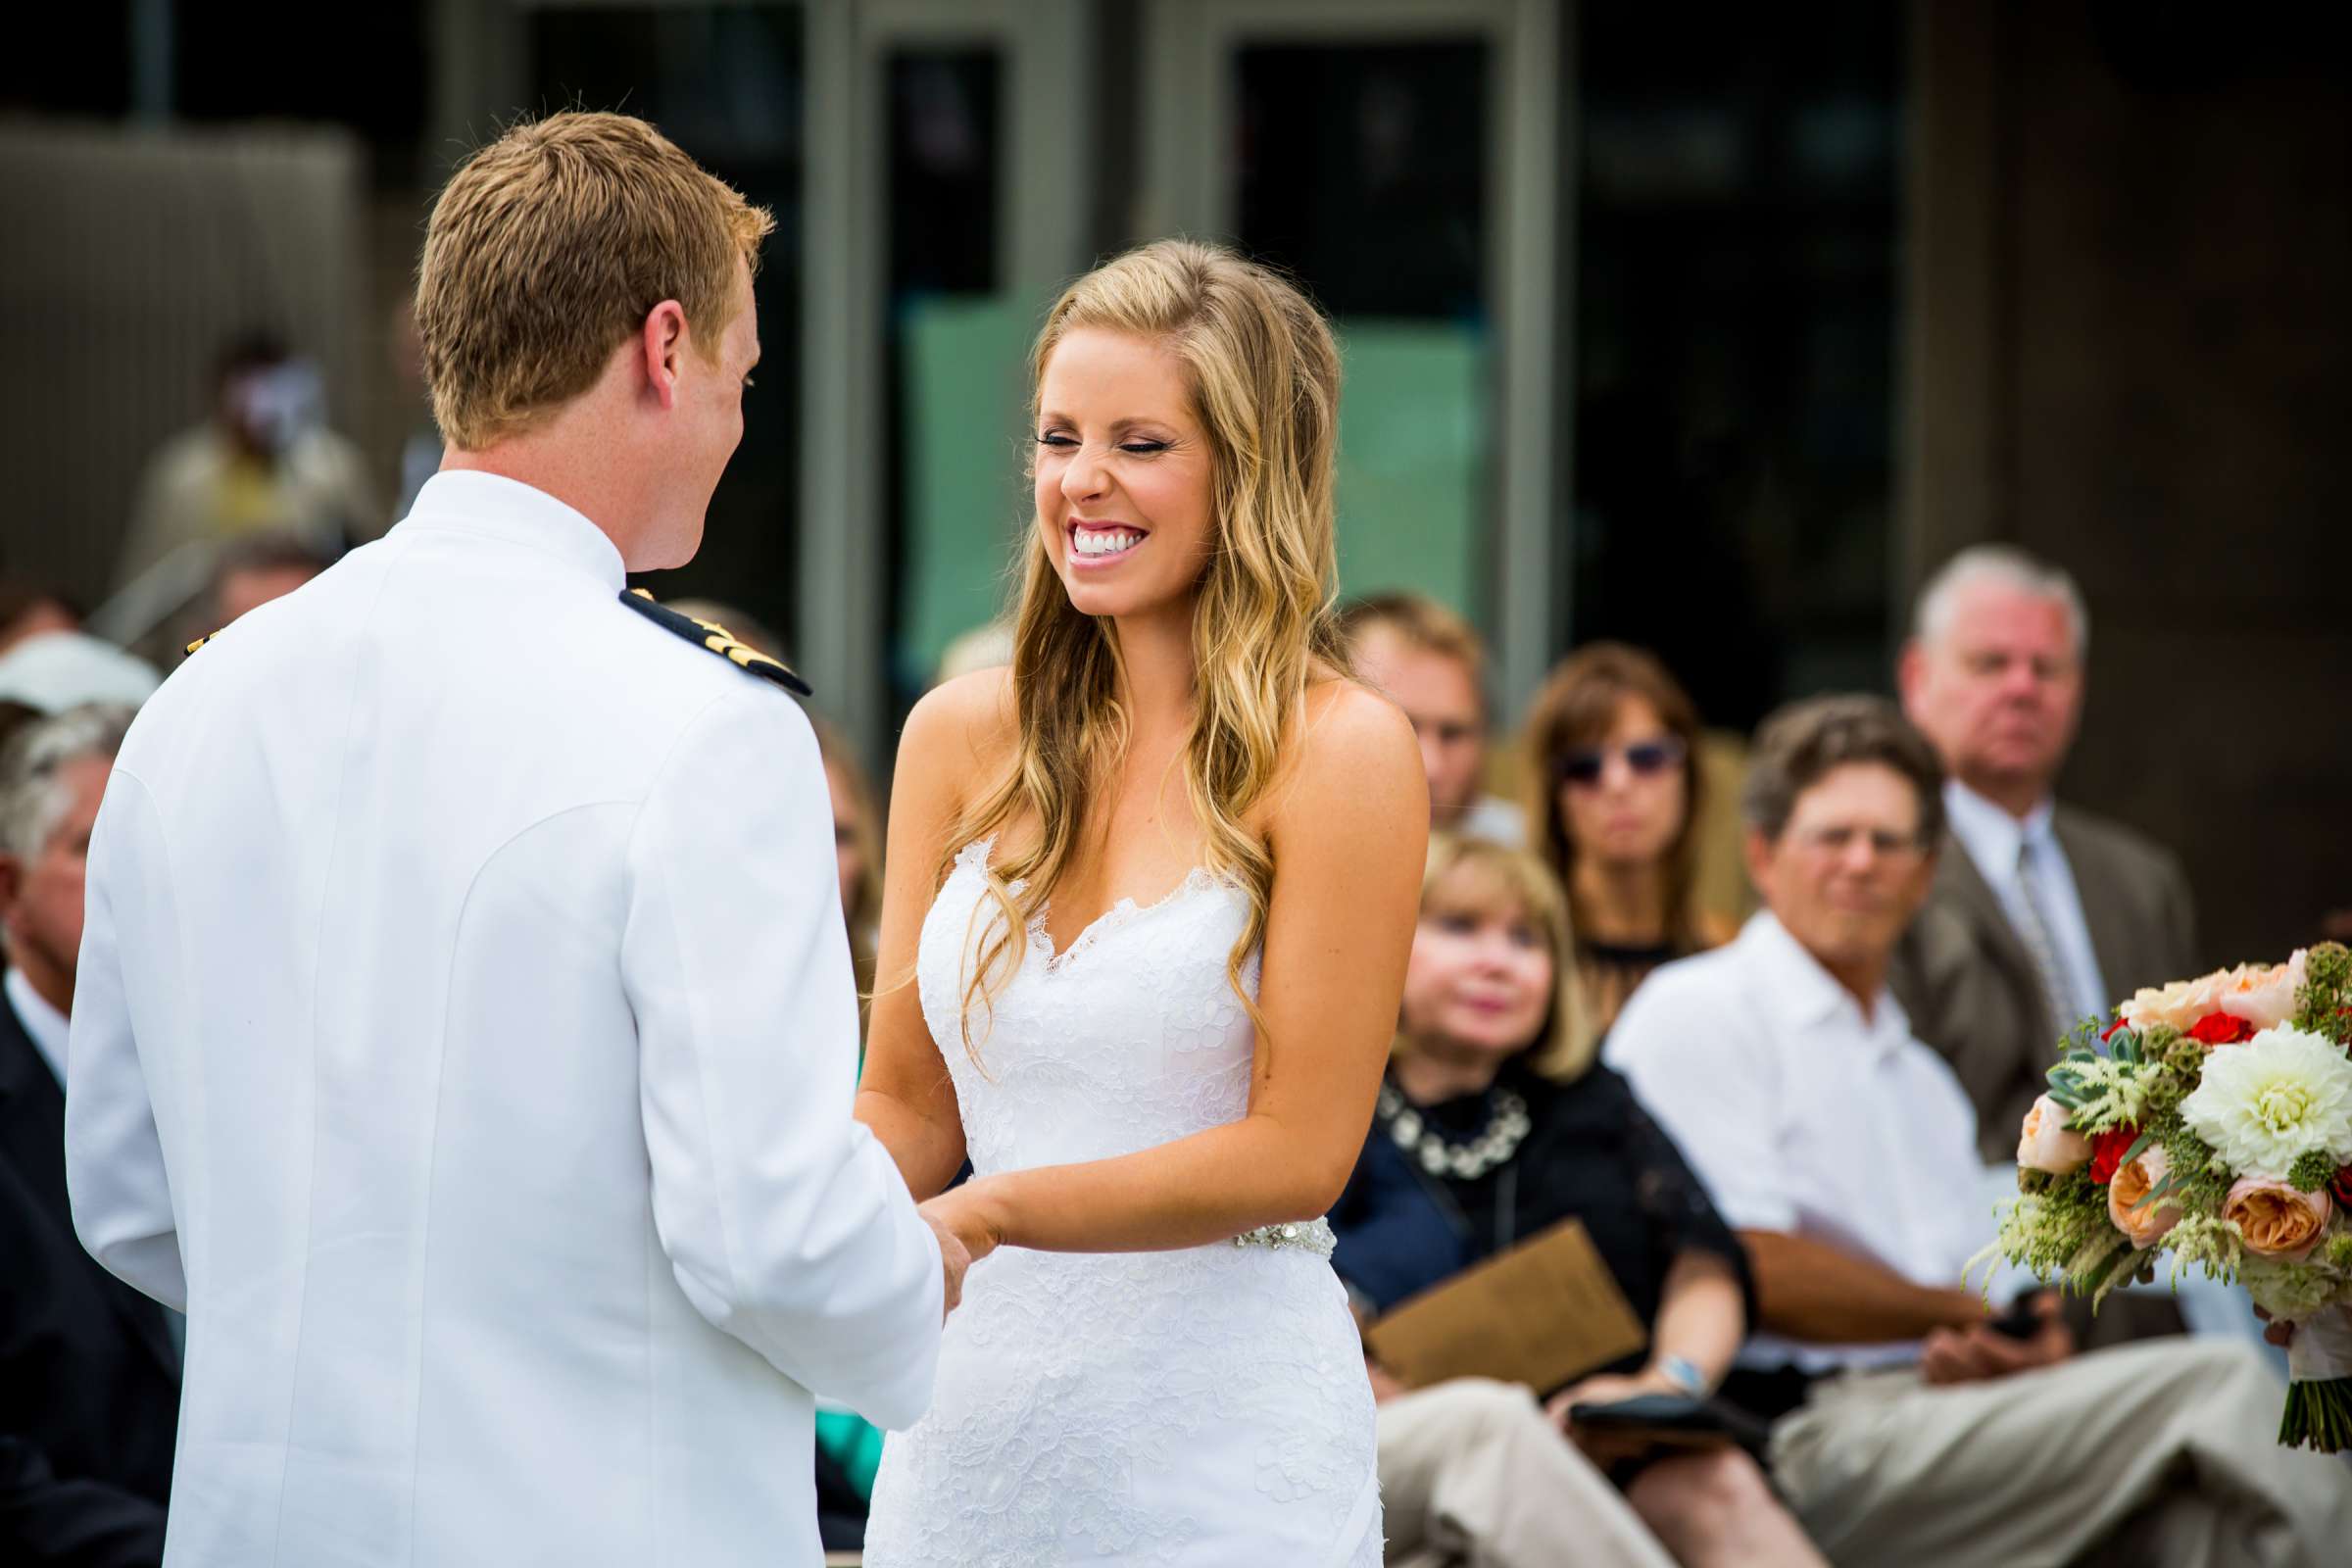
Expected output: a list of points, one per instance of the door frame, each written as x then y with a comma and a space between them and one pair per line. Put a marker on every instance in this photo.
1189, 185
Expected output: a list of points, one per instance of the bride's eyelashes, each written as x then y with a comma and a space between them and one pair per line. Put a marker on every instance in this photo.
1060, 441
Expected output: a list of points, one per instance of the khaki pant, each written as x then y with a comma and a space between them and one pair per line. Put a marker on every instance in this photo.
2166, 1450
1473, 1473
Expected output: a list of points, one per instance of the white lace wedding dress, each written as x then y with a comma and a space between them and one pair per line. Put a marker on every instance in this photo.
1195, 1407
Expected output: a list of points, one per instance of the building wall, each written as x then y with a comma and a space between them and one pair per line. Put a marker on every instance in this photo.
2131, 350
143, 255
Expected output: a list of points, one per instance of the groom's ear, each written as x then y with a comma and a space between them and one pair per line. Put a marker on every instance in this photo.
662, 344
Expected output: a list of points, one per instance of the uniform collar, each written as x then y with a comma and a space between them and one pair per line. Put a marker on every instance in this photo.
469, 501
1805, 998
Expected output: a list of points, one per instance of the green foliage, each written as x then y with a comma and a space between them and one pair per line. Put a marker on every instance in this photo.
2324, 1004
2319, 1415
2207, 1242
2287, 1289
2058, 1231
2312, 1170
2102, 1092
2197, 1180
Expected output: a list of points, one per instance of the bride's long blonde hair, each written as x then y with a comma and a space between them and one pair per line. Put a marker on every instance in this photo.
1265, 387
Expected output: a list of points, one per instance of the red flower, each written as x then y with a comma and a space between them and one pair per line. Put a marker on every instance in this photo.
2341, 1186
2222, 1029
2108, 1033
2107, 1152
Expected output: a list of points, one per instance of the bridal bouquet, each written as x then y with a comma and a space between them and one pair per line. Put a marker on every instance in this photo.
2212, 1121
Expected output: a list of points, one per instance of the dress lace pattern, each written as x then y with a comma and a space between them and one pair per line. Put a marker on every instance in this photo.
1193, 1407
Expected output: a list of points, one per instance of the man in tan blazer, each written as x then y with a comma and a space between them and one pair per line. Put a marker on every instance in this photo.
2040, 914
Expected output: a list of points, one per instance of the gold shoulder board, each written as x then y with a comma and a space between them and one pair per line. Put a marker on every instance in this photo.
716, 638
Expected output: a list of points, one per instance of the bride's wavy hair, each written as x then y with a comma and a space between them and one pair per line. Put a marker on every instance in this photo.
1264, 378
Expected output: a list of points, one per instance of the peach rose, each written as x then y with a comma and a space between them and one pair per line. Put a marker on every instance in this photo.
2277, 1220
2048, 1143
2179, 1005
2144, 1223
2263, 994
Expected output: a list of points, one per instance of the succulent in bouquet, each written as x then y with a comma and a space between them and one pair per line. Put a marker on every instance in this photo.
2211, 1122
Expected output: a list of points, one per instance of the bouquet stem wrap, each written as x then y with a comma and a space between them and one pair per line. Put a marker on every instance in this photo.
2318, 1390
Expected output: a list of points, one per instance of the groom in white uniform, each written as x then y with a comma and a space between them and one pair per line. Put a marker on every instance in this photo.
464, 1034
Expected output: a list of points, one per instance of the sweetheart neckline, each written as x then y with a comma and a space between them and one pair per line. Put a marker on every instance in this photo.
1122, 913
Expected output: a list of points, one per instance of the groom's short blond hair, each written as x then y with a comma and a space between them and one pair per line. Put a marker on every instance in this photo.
544, 254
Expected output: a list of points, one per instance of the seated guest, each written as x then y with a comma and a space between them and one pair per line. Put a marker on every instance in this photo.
1845, 1150
2040, 914
1428, 661
27, 611
1494, 1124
265, 462
89, 1398
54, 670
1613, 741
856, 850
249, 572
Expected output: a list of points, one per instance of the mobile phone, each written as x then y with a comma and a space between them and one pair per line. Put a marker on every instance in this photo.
2023, 1320
1673, 1421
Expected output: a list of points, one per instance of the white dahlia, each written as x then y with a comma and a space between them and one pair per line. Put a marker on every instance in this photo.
2277, 1096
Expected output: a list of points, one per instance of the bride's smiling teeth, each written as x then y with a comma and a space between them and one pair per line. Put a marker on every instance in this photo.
1101, 541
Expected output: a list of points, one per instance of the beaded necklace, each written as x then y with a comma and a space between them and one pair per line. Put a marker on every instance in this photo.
1507, 1126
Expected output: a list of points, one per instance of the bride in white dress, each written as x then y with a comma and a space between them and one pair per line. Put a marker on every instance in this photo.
1157, 885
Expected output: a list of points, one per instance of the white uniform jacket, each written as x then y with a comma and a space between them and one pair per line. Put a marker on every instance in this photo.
466, 1038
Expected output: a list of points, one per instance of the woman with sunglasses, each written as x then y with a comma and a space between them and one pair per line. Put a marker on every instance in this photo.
1614, 740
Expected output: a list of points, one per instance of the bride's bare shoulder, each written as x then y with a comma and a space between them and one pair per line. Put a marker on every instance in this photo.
963, 722
1357, 748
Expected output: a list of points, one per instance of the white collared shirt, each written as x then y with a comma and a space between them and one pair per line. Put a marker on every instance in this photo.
45, 1025
1803, 1116
1993, 839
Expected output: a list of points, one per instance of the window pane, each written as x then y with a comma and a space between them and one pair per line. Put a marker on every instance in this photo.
953, 348
1735, 273
1363, 169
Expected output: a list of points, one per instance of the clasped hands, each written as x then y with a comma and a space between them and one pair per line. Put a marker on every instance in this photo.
1979, 1352
969, 1226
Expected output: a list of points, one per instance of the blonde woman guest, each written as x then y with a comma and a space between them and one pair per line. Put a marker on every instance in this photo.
1614, 743
1155, 884
1495, 1123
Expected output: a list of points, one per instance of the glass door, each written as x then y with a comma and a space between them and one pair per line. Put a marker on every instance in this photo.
1401, 159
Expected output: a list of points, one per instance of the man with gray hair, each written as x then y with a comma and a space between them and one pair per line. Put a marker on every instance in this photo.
1907, 1426
2041, 914
89, 1398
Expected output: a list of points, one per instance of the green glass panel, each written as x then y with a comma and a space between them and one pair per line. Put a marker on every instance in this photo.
1412, 459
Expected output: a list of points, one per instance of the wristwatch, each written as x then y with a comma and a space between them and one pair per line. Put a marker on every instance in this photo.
1683, 1374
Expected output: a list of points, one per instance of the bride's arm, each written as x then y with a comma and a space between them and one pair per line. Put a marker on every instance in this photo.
1349, 837
905, 1093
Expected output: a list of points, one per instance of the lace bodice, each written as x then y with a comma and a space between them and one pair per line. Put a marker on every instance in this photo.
1130, 1037
1200, 1406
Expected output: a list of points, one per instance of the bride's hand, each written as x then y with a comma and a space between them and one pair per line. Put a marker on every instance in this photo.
954, 1257
969, 1214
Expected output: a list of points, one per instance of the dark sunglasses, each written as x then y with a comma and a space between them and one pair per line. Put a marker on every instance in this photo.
1647, 759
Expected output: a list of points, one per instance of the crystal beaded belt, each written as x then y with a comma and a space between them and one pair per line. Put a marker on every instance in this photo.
1314, 1235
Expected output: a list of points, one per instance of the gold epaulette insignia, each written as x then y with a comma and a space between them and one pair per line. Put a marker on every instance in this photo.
718, 639
201, 641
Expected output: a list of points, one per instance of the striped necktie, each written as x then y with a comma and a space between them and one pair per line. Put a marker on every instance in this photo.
2042, 942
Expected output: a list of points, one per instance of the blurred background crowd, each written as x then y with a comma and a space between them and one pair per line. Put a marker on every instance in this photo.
1994, 357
